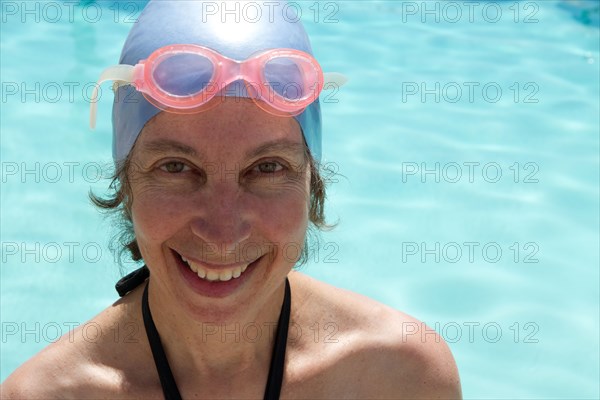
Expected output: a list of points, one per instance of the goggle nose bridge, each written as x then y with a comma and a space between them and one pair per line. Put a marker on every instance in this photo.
234, 71
225, 71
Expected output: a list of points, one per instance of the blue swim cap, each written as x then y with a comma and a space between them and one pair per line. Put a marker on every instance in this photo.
221, 26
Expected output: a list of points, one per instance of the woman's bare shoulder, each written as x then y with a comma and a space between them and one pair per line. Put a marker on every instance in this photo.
377, 348
89, 360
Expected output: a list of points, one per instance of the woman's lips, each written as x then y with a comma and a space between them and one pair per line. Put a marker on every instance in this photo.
215, 272
215, 288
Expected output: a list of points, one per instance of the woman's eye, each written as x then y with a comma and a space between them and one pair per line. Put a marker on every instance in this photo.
173, 167
269, 167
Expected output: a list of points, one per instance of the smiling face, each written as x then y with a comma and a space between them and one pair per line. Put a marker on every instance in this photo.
220, 202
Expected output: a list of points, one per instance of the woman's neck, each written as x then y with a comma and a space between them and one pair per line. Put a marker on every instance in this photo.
211, 341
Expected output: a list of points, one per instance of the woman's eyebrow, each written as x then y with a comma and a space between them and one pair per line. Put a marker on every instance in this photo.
280, 145
162, 146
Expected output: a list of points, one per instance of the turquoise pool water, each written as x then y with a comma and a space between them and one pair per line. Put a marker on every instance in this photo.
467, 140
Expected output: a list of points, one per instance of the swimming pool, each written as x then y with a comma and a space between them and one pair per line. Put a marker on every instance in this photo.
467, 142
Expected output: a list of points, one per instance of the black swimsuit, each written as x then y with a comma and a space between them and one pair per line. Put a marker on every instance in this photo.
167, 381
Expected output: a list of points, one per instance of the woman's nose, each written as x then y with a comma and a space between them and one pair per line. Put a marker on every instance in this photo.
222, 219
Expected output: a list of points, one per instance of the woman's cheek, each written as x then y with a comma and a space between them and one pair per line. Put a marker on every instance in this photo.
156, 212
286, 214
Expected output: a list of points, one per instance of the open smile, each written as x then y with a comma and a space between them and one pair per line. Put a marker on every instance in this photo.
213, 273
214, 280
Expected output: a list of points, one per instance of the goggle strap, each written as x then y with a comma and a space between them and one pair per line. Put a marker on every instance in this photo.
333, 80
120, 73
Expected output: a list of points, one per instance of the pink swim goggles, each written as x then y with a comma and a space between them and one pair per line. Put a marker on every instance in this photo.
184, 78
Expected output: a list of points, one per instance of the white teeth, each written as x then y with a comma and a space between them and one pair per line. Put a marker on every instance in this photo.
192, 266
213, 276
225, 276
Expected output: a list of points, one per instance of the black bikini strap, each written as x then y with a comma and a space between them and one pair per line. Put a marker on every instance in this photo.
275, 379
132, 280
167, 381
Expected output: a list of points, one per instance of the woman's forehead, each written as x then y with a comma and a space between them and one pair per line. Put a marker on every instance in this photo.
235, 123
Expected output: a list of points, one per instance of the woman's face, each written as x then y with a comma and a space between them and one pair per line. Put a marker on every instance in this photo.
228, 191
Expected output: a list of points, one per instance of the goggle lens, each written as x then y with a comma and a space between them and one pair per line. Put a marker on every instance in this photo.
287, 78
183, 74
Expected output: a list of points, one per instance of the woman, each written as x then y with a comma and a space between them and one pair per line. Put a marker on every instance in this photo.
219, 182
